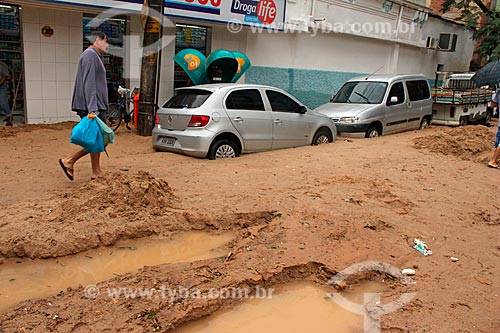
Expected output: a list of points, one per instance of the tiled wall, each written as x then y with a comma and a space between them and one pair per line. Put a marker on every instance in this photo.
50, 63
311, 87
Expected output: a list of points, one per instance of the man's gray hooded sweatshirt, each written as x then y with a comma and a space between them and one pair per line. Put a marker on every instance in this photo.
91, 91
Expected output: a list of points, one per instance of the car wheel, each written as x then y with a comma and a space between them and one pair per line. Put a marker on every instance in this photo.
424, 124
223, 149
372, 132
322, 136
463, 121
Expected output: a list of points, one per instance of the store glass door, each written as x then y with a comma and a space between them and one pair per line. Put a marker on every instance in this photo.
189, 37
12, 89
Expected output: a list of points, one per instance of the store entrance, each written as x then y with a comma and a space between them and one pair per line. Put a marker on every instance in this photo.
11, 67
115, 29
190, 37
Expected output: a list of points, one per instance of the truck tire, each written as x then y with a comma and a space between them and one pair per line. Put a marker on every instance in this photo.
486, 120
463, 121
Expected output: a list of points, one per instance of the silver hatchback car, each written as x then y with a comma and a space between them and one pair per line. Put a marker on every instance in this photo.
226, 120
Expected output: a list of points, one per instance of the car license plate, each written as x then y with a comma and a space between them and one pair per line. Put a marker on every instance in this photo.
168, 141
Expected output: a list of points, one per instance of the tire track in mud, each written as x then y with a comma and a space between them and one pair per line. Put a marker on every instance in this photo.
356, 194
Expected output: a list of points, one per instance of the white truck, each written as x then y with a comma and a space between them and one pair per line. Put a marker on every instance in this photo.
458, 101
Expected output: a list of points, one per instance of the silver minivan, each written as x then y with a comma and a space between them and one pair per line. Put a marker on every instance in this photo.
380, 104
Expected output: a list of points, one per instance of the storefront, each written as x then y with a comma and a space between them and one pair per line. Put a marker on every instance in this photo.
42, 40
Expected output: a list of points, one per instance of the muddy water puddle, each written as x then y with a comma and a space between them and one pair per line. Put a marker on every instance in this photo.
293, 308
42, 278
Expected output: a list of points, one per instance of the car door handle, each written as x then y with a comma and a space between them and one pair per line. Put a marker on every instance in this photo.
277, 121
238, 119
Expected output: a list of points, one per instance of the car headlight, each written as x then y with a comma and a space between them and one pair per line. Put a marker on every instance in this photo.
348, 119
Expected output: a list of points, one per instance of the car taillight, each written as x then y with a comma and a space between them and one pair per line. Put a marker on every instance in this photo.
198, 121
157, 120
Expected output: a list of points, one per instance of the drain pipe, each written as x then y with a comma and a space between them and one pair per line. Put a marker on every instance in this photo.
395, 51
398, 23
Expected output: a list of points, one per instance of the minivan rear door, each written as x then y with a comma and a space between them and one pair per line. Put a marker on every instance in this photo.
419, 95
396, 115
249, 117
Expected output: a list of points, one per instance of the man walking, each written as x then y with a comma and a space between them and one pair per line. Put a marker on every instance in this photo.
90, 95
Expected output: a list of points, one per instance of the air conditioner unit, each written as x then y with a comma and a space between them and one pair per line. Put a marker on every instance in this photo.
447, 42
431, 42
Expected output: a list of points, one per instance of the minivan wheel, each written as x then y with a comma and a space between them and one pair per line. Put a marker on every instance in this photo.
372, 132
424, 124
322, 136
463, 121
222, 149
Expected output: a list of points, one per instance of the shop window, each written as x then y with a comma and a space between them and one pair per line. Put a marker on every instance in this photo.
189, 37
11, 56
115, 29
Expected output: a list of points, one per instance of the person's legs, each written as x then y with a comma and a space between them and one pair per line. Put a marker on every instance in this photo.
71, 159
96, 167
496, 153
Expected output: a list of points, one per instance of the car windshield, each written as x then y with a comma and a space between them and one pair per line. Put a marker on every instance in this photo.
187, 98
362, 92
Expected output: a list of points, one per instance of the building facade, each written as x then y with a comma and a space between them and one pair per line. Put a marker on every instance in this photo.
307, 47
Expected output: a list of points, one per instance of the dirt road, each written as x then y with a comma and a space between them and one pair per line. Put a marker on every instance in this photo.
299, 214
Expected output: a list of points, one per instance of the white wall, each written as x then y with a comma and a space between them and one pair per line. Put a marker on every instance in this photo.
50, 63
346, 51
453, 61
334, 52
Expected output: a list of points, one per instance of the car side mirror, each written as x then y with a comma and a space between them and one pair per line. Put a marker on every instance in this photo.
332, 98
302, 109
393, 100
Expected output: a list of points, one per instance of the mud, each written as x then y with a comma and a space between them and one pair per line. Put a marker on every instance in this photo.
467, 143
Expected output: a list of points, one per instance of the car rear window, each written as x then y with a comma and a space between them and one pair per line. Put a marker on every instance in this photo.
188, 98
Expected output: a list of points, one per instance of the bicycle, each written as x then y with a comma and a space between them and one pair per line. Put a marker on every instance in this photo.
121, 111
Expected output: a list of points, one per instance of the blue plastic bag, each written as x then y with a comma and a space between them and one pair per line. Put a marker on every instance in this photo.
88, 135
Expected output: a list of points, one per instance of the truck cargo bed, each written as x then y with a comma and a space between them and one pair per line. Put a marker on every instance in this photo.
461, 97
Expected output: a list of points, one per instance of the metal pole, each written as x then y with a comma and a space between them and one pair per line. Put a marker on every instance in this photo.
149, 69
